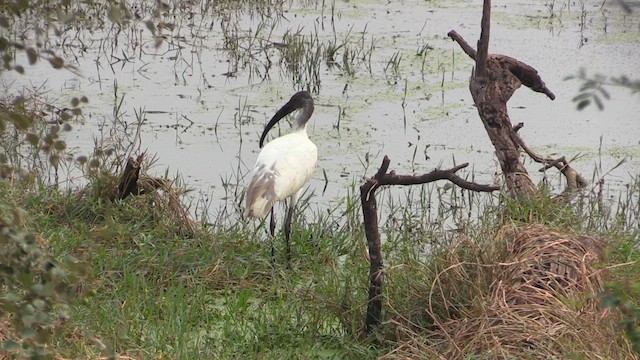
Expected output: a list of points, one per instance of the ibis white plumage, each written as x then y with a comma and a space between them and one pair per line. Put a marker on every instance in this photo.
284, 166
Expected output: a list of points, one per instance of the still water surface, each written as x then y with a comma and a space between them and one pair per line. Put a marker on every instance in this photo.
206, 106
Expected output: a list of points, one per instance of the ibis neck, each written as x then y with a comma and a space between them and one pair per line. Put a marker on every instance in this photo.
303, 117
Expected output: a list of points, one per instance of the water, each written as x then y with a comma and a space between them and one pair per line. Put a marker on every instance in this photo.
206, 106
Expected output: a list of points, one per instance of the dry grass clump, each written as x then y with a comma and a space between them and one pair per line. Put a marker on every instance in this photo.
532, 296
161, 194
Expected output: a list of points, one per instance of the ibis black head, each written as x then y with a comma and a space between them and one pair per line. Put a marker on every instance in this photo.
300, 100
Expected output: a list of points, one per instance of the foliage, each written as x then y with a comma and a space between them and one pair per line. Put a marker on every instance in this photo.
617, 298
37, 290
594, 88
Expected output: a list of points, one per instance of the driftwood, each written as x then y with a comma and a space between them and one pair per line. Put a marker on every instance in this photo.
369, 212
495, 78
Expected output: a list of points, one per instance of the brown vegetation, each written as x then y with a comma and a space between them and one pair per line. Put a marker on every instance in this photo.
537, 299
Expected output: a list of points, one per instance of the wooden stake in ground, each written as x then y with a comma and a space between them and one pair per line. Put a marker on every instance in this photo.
129, 180
370, 214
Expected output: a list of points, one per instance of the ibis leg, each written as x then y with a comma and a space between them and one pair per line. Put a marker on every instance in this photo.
272, 230
287, 227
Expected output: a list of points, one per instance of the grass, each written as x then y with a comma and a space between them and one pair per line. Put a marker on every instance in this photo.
154, 293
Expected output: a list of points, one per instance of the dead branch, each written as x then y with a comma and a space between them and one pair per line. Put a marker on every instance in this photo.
131, 183
483, 43
370, 214
161, 192
494, 80
525, 73
575, 181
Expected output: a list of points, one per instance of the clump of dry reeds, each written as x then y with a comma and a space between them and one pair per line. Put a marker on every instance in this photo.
534, 295
164, 196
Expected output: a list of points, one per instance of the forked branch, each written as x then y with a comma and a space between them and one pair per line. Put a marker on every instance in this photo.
494, 80
575, 181
370, 214
526, 73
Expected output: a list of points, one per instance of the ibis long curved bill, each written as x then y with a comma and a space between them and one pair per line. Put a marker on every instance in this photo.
301, 100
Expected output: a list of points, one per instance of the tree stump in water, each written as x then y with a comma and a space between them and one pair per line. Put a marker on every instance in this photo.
495, 79
490, 96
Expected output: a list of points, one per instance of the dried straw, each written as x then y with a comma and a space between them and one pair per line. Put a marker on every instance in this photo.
539, 301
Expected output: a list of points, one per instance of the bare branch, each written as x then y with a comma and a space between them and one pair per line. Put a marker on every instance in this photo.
575, 181
463, 44
483, 43
449, 174
526, 73
370, 214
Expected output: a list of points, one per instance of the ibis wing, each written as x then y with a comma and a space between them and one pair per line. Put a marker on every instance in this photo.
283, 167
260, 195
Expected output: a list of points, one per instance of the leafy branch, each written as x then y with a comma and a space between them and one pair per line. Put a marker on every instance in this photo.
593, 88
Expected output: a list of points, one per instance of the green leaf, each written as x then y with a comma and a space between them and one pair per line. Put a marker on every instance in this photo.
596, 99
115, 14
23, 4
7, 59
4, 22
37, 288
48, 139
32, 138
75, 102
604, 93
28, 333
581, 96
4, 43
43, 337
22, 122
10, 345
54, 160
56, 62
60, 145
583, 104
58, 273
150, 25
11, 297
39, 304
